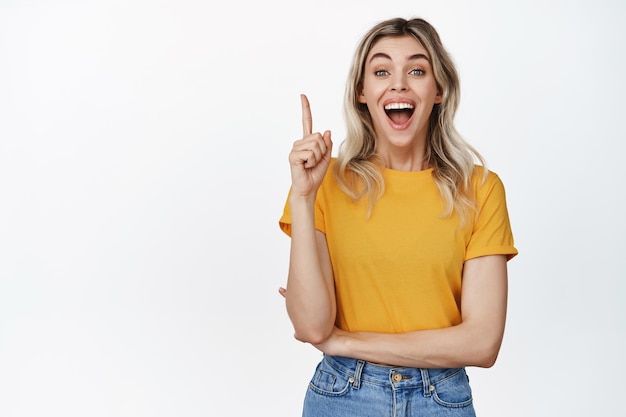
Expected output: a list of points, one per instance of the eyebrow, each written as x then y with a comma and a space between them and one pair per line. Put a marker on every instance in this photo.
411, 58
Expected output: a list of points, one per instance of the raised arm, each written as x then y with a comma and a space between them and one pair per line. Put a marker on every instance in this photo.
474, 342
310, 298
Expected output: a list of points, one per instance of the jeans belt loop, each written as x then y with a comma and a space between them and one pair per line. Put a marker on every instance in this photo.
425, 382
357, 374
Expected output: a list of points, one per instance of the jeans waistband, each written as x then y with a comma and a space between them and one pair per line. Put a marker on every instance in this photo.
397, 377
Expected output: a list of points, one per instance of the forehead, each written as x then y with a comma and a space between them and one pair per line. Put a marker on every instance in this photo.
397, 46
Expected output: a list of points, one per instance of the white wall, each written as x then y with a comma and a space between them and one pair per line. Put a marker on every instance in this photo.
143, 168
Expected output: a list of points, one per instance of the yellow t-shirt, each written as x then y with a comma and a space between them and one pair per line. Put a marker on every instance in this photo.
401, 269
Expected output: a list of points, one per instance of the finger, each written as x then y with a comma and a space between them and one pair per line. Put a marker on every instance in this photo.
306, 158
313, 159
307, 118
328, 142
282, 291
314, 141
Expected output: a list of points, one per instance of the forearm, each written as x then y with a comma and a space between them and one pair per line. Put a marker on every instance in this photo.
474, 342
310, 297
458, 346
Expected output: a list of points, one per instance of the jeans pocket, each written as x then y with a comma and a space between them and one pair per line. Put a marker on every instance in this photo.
453, 391
328, 381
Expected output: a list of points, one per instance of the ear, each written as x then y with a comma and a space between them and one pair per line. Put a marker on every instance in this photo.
439, 97
361, 98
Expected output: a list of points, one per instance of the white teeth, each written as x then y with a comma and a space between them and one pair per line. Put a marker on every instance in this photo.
398, 106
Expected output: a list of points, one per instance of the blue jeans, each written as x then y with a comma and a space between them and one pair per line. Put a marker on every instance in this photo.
343, 387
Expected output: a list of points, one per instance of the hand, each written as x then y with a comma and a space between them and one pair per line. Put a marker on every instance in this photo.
310, 156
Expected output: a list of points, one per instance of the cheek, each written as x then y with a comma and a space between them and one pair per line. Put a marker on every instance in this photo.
431, 93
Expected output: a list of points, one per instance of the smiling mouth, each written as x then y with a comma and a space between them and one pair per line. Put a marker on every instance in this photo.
399, 113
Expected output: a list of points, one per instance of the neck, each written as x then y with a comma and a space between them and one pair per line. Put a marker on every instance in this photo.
401, 159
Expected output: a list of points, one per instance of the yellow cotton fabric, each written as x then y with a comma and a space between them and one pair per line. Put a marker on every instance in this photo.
401, 269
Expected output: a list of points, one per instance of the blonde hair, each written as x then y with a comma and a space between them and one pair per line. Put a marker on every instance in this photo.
453, 160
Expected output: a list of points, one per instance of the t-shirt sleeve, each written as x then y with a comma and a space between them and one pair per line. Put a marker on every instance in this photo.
285, 220
491, 233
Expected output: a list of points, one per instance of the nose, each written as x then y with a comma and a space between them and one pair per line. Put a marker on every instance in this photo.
398, 83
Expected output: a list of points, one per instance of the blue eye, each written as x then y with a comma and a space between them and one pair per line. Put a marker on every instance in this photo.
381, 73
417, 71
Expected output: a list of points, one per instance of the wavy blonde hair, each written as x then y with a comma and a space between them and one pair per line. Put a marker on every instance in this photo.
357, 169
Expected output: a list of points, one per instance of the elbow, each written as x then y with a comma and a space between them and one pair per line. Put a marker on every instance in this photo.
486, 356
312, 336
311, 326
487, 361
484, 346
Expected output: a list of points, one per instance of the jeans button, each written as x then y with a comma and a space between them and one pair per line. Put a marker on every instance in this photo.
396, 377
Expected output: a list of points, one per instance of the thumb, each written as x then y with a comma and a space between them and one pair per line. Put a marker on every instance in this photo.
328, 141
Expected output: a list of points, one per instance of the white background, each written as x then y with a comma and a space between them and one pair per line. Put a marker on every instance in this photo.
143, 169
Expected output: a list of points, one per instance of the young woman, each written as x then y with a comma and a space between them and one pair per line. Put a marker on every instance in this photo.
399, 245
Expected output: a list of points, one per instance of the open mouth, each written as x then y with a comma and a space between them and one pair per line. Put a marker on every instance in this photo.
399, 113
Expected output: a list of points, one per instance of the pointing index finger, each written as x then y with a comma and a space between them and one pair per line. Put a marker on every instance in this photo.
307, 119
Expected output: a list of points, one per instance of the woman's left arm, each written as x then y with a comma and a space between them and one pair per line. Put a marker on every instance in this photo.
475, 341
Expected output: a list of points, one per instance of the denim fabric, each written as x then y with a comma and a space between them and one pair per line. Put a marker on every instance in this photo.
344, 387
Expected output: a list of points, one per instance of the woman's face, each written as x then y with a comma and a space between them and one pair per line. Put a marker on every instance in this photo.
400, 90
